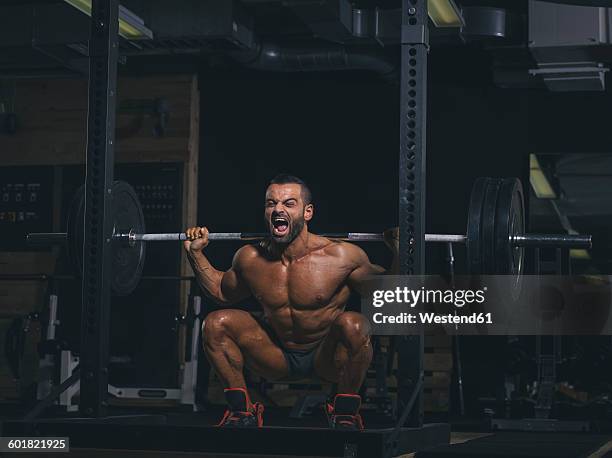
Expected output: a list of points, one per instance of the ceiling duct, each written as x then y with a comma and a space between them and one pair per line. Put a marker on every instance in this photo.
484, 22
290, 58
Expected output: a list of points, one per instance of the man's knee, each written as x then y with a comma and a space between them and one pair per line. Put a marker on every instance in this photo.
353, 329
218, 325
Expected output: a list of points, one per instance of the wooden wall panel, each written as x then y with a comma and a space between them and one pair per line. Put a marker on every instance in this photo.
52, 118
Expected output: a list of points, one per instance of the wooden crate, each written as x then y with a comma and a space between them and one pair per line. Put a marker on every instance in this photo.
436, 400
53, 121
288, 396
9, 389
19, 298
438, 367
9, 386
12, 263
282, 394
437, 380
438, 361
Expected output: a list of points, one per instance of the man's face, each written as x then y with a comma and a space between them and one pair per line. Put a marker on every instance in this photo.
285, 212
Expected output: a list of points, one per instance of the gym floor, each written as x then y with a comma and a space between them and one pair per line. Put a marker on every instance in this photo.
467, 439
462, 445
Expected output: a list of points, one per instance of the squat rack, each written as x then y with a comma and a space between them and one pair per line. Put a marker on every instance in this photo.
103, 47
99, 164
412, 179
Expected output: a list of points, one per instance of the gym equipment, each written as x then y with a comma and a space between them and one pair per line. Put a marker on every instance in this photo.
127, 260
495, 236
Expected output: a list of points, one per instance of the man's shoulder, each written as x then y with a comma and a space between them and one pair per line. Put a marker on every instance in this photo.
246, 254
342, 249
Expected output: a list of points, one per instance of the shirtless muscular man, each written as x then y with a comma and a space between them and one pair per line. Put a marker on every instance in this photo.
303, 282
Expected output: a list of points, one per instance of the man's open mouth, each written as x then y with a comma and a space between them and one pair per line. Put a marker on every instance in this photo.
280, 226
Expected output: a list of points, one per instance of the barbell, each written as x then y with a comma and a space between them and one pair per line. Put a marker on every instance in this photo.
495, 237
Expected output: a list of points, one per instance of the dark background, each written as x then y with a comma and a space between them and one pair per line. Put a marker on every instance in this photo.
340, 133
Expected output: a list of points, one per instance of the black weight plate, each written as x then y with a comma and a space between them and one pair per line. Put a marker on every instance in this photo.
489, 213
74, 230
510, 221
474, 220
127, 261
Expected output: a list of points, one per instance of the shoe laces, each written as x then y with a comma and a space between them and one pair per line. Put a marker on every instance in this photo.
344, 419
234, 416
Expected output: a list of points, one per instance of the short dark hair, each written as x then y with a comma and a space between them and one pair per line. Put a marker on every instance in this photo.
285, 178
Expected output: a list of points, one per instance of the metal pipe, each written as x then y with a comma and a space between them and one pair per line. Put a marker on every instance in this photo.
554, 240
47, 238
445, 238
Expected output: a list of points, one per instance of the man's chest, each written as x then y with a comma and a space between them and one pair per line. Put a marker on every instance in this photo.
303, 283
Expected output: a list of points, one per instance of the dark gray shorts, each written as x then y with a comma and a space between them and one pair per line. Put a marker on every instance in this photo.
300, 363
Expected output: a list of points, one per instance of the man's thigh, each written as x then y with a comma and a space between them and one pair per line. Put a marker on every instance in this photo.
329, 358
348, 329
261, 354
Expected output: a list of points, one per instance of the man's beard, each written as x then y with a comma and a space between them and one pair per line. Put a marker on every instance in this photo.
296, 228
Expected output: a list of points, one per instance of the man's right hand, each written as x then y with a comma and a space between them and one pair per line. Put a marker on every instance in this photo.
197, 239
391, 238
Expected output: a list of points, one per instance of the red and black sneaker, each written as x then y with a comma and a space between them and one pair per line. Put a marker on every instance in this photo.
344, 413
238, 414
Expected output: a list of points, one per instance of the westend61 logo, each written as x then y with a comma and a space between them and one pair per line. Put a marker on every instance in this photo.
437, 306
412, 297
488, 304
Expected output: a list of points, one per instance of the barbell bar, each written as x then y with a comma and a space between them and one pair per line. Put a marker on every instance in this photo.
559, 240
252, 236
522, 240
495, 236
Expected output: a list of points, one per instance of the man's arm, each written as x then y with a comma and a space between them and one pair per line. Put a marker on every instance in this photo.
362, 269
225, 288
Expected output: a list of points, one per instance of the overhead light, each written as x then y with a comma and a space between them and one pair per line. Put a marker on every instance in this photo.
539, 183
445, 13
579, 254
131, 27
